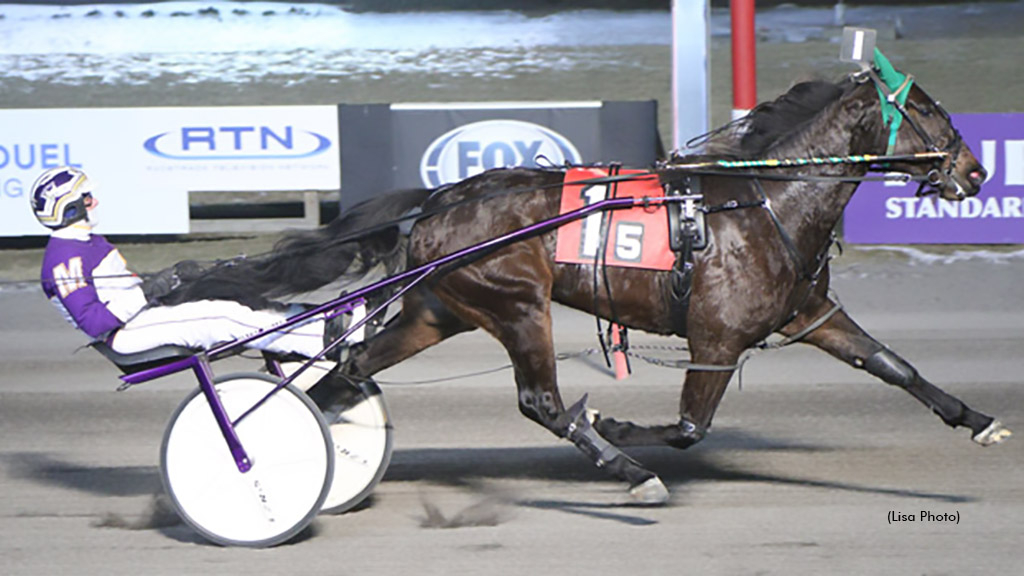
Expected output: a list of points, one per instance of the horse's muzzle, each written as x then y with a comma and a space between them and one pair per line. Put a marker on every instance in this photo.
957, 185
977, 177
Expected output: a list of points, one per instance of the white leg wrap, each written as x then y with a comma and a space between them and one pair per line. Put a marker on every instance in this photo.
651, 492
994, 434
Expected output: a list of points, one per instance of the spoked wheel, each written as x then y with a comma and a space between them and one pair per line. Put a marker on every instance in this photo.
361, 430
292, 458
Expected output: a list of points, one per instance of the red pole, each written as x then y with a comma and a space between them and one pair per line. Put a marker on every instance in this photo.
621, 366
744, 57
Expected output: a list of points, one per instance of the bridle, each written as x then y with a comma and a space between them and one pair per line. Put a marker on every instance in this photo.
895, 98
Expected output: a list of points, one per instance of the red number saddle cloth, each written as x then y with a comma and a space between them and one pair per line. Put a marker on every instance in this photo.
637, 237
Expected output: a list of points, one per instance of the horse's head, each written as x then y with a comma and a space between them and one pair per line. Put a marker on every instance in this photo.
913, 122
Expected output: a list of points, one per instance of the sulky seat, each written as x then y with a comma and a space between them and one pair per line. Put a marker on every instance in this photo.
138, 361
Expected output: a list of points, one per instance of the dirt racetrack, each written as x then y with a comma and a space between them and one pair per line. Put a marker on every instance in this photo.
799, 476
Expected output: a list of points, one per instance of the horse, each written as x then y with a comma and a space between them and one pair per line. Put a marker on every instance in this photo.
765, 270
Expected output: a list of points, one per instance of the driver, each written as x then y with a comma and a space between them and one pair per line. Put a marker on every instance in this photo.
88, 280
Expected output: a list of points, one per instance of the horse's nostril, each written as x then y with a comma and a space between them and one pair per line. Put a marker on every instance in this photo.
978, 176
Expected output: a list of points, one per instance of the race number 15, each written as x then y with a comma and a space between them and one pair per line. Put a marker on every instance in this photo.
627, 237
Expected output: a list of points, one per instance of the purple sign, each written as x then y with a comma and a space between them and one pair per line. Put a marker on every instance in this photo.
889, 213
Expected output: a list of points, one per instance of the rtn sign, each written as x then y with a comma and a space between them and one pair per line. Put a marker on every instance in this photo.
892, 214
236, 142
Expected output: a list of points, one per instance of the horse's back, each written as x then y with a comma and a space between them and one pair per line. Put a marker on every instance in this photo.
504, 200
483, 207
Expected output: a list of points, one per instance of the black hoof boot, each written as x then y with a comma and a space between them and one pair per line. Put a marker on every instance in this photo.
685, 435
644, 487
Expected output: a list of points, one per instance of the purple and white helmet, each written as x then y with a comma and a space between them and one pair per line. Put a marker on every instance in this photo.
58, 197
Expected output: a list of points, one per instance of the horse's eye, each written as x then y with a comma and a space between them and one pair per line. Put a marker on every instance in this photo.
922, 110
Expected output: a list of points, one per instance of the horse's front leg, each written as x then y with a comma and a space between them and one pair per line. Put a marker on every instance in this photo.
841, 337
703, 389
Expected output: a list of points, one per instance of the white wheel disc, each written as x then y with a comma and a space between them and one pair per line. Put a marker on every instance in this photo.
288, 444
362, 435
362, 448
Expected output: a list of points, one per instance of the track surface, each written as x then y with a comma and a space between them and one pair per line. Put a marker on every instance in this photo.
799, 476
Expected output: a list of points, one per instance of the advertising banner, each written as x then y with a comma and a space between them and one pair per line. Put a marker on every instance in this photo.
386, 147
145, 161
888, 213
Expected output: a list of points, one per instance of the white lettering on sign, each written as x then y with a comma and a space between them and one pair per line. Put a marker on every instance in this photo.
1014, 162
473, 148
1012, 165
988, 158
974, 207
1009, 169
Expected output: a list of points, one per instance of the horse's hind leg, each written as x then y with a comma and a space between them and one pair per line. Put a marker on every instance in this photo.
423, 322
515, 309
841, 337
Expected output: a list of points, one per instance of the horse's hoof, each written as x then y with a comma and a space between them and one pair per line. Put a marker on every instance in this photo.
994, 434
650, 493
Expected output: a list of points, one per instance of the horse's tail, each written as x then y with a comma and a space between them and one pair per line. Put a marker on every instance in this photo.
348, 247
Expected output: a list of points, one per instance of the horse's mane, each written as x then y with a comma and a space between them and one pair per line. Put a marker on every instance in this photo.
770, 123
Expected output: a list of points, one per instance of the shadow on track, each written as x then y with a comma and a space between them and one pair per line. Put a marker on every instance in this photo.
463, 467
50, 469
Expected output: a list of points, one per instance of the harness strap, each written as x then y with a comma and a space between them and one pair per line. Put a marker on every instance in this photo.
787, 241
807, 330
747, 354
805, 273
604, 336
731, 205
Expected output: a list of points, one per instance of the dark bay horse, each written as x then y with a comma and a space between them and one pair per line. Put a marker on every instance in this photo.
765, 269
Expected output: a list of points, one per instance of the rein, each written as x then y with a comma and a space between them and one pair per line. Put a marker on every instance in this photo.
724, 168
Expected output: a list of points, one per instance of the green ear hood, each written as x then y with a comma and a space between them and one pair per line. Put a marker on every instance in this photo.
898, 84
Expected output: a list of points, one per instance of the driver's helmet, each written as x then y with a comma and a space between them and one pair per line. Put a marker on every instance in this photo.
58, 197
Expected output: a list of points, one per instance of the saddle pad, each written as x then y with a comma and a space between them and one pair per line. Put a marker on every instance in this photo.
637, 237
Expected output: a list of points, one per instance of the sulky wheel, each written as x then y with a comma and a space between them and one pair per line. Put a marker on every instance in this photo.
292, 458
362, 435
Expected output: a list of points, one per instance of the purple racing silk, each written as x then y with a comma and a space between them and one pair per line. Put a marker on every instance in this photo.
87, 279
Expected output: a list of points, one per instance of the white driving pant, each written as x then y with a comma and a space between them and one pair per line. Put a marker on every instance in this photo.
206, 323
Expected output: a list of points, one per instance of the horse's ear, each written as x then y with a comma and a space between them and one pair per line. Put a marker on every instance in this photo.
857, 101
